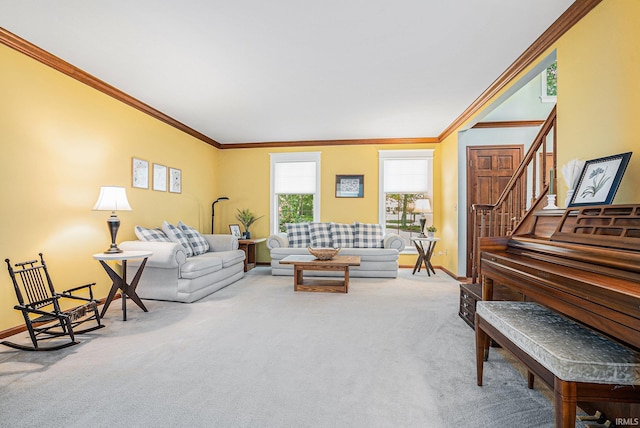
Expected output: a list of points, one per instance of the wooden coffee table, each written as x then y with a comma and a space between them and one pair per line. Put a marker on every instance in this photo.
309, 262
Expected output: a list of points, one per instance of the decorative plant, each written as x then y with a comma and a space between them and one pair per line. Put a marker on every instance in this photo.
432, 229
571, 172
247, 218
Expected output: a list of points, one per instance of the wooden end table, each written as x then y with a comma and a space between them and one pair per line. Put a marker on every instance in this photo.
120, 283
425, 247
249, 248
308, 262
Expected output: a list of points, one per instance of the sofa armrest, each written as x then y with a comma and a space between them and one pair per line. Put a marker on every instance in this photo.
279, 240
220, 242
166, 255
394, 241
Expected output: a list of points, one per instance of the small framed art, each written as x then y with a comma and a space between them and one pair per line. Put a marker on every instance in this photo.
139, 173
599, 180
175, 180
235, 230
159, 177
349, 186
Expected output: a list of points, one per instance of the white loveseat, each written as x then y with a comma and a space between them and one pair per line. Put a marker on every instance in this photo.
172, 274
379, 252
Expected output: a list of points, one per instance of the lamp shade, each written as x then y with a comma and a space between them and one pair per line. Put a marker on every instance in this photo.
422, 206
112, 198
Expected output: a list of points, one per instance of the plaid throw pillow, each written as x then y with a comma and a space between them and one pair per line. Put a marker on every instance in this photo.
151, 235
198, 243
342, 235
368, 236
298, 235
176, 235
320, 234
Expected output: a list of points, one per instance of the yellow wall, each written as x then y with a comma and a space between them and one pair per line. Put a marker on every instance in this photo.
599, 90
245, 179
448, 195
61, 141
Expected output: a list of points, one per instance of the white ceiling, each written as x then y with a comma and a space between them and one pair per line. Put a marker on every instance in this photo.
288, 70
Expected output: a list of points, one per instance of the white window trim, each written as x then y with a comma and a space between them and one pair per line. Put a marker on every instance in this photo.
401, 154
543, 89
292, 157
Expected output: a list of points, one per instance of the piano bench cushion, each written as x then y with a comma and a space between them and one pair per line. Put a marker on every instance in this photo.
569, 350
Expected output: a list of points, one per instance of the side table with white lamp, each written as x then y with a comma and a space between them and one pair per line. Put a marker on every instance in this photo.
114, 198
120, 283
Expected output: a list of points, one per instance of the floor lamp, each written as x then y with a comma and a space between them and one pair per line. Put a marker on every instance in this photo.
213, 205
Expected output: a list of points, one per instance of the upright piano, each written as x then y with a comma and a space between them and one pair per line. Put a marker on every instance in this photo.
582, 262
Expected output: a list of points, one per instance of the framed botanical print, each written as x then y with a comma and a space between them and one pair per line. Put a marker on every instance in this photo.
139, 173
159, 177
175, 180
599, 180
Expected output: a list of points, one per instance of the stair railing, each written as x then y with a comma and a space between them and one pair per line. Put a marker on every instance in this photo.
529, 183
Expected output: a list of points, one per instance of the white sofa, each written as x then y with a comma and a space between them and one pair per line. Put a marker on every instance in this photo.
378, 262
170, 275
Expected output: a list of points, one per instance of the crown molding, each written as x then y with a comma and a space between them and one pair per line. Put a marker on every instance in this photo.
354, 142
568, 19
11, 40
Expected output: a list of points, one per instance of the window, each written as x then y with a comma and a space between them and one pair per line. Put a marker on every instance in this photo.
295, 188
406, 179
549, 84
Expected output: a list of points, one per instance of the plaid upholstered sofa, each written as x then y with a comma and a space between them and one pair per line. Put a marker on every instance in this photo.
379, 252
185, 266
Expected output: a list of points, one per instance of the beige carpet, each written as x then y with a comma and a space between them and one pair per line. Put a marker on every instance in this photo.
390, 353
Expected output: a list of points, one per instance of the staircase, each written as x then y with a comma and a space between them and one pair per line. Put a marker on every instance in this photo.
525, 192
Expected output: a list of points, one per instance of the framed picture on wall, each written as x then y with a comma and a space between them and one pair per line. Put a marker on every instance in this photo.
599, 180
349, 186
139, 173
159, 177
175, 180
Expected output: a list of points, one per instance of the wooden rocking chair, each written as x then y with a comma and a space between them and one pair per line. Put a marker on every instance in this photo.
41, 308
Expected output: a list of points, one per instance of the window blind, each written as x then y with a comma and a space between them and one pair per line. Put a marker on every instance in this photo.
295, 178
406, 176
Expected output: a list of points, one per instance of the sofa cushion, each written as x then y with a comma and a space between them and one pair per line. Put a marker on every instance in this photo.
151, 235
197, 241
368, 235
198, 266
342, 235
230, 258
298, 235
320, 235
176, 235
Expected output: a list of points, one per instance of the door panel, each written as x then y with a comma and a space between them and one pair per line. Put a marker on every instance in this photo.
489, 169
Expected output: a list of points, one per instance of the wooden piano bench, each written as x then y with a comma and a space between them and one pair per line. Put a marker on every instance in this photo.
577, 363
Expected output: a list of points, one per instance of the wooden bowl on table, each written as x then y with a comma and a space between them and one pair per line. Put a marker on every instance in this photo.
323, 253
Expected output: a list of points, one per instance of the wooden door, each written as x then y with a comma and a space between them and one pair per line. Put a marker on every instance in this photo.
489, 169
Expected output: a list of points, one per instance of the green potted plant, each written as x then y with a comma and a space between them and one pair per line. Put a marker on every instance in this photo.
247, 218
431, 230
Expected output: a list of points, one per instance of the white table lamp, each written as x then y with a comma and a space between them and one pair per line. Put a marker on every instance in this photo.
112, 199
422, 206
